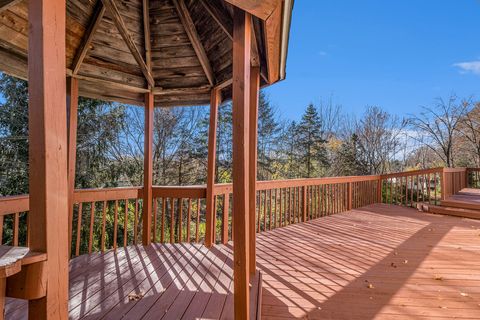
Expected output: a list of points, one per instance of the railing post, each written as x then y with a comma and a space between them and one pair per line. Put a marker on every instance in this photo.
212, 149
305, 203
379, 190
349, 204
443, 190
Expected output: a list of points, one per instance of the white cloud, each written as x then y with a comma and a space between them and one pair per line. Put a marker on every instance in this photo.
469, 67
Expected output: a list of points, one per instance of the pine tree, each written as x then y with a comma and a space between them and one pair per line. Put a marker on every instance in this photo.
313, 153
268, 134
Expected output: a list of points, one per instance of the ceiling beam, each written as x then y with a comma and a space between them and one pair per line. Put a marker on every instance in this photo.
220, 15
122, 28
187, 22
6, 4
146, 31
259, 8
88, 37
180, 91
100, 81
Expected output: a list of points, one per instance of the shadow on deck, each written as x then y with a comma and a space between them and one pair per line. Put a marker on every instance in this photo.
161, 281
381, 261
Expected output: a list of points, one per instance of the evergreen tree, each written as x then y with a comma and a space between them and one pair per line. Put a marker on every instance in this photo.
313, 153
13, 136
268, 134
345, 161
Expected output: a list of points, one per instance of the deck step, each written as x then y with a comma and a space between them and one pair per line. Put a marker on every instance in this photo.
460, 204
453, 211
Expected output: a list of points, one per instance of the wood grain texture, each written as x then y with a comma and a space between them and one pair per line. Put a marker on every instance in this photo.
48, 152
211, 161
148, 170
242, 24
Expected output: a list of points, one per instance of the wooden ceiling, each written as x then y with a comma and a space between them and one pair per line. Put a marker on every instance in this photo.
180, 49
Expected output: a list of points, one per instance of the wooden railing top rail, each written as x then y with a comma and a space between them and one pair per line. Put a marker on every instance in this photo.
454, 169
107, 194
14, 204
411, 173
193, 192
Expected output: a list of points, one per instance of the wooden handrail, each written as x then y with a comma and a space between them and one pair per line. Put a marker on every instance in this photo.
278, 203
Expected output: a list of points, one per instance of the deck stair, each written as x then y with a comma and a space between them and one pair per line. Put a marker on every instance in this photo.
465, 203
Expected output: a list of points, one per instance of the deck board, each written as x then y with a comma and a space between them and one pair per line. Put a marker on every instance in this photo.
377, 262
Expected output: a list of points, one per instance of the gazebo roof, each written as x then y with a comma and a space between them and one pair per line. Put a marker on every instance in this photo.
120, 49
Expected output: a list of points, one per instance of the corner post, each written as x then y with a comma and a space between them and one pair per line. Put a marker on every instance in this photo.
212, 151
148, 170
350, 198
379, 190
48, 153
252, 192
72, 105
242, 26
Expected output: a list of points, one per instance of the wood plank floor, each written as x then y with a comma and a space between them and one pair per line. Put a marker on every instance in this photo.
377, 262
181, 281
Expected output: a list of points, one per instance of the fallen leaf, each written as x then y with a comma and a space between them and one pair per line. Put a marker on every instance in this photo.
135, 296
393, 265
437, 277
463, 294
405, 261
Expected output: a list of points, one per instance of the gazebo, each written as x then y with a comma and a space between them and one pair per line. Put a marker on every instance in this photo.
150, 53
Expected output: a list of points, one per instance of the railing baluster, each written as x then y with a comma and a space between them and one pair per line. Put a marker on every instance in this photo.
125, 224
115, 225
180, 220
226, 201
90, 236
79, 229
189, 218
16, 225
172, 220
197, 239
135, 223
164, 212
104, 218
154, 222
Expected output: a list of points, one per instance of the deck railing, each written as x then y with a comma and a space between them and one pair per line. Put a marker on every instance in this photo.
104, 219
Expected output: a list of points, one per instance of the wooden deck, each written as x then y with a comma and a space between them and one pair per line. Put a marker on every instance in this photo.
182, 281
378, 262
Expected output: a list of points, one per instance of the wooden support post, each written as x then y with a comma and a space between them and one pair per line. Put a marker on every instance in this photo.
48, 153
254, 98
72, 105
148, 171
212, 150
242, 25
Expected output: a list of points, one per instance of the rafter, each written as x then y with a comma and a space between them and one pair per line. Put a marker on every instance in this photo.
6, 4
187, 22
146, 31
88, 37
122, 28
220, 15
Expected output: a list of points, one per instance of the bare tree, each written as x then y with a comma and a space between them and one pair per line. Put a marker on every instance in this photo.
379, 138
470, 129
437, 126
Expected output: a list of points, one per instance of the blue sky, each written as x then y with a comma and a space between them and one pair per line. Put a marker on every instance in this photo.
397, 54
